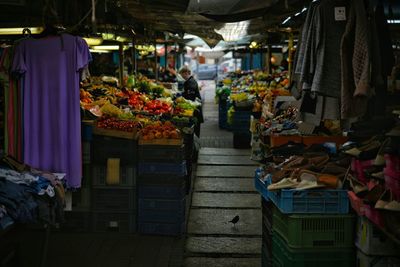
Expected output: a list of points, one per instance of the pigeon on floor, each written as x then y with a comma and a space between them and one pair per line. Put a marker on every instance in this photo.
234, 220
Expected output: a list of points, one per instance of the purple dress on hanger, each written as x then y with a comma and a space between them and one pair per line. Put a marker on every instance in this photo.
51, 122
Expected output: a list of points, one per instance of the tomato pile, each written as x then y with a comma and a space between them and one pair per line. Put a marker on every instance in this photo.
115, 124
157, 107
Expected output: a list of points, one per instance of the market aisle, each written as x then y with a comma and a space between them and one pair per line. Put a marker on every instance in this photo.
211, 135
223, 189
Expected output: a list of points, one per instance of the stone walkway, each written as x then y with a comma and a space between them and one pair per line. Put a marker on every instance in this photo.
223, 189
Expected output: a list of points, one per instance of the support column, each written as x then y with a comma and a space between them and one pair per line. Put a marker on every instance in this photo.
121, 65
155, 61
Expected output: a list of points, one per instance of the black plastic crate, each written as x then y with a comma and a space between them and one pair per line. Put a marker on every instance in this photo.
162, 204
127, 175
121, 222
174, 229
160, 179
241, 139
105, 147
160, 153
162, 168
162, 191
113, 198
86, 152
162, 216
77, 221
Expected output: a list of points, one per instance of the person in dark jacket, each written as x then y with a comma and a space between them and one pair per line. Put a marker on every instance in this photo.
190, 86
191, 92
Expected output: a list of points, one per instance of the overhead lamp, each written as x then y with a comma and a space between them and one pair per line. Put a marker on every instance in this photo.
93, 40
121, 39
108, 47
100, 51
19, 30
253, 44
108, 36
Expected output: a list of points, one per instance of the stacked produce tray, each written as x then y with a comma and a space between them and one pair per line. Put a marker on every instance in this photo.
305, 227
113, 179
241, 129
162, 171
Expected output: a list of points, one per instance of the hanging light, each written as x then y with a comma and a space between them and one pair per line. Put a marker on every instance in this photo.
19, 30
93, 40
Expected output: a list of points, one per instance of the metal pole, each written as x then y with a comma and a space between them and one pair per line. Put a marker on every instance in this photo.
269, 59
166, 56
155, 61
134, 55
251, 59
290, 54
121, 65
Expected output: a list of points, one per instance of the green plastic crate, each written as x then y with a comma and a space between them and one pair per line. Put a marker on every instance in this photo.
283, 256
316, 230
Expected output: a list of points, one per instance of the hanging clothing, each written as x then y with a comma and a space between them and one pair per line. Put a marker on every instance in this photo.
51, 114
325, 58
355, 62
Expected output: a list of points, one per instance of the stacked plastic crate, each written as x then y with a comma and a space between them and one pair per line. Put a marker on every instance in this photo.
374, 247
241, 129
78, 217
188, 141
113, 197
309, 227
162, 189
223, 107
266, 204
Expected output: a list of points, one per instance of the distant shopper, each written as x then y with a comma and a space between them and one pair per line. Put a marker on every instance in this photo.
191, 92
190, 86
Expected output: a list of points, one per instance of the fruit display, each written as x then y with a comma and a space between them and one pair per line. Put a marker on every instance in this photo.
184, 107
112, 123
160, 130
139, 106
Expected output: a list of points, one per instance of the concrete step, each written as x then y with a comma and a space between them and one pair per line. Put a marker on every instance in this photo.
225, 171
226, 200
222, 262
225, 160
223, 245
224, 185
216, 222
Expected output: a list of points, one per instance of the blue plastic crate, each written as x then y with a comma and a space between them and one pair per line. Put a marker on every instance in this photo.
165, 168
160, 153
242, 115
161, 204
162, 228
310, 201
162, 191
261, 186
162, 216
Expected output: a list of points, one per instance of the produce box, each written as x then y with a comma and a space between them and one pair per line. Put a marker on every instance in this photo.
116, 133
167, 142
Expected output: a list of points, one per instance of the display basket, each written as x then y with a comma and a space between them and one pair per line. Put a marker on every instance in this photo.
315, 231
311, 201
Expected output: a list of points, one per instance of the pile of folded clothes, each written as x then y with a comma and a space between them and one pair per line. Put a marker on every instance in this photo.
28, 195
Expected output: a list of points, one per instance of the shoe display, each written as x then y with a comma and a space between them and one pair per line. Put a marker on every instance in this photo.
285, 183
305, 184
